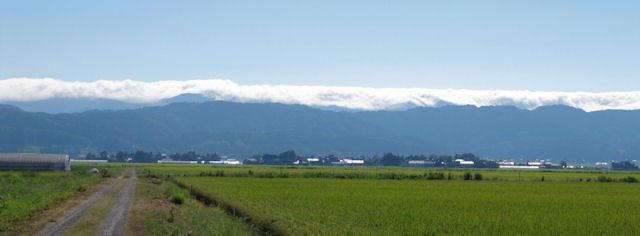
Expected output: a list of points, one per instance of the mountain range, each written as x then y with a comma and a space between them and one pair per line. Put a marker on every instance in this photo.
75, 105
193, 123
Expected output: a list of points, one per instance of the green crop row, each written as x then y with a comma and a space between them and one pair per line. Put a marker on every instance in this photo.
390, 173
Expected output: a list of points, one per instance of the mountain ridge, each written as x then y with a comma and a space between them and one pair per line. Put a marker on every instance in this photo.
243, 129
76, 105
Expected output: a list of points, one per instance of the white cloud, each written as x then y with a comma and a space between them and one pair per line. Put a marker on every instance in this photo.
32, 89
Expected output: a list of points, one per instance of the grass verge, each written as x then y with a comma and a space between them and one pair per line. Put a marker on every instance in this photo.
162, 208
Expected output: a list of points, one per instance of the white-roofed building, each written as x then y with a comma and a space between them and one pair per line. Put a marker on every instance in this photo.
463, 162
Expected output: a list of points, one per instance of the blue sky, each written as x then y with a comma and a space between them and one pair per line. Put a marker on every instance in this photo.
533, 45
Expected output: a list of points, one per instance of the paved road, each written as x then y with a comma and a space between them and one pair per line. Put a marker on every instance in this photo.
114, 222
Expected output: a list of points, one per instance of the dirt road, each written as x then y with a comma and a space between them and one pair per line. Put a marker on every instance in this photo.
116, 219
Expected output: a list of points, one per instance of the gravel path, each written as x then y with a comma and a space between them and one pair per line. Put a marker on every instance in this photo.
116, 220
70, 219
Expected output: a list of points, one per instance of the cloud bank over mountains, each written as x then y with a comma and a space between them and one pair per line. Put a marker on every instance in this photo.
359, 98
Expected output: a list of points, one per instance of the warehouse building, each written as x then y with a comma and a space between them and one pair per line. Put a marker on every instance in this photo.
34, 161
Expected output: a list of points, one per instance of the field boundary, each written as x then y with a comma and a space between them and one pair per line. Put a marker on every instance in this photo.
263, 227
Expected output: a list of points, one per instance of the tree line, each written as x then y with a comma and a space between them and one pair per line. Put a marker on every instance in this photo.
151, 157
289, 157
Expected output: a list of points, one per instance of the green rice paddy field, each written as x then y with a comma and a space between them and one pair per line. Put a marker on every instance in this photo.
395, 201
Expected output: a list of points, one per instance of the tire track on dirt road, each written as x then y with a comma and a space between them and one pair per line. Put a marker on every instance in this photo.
71, 218
116, 221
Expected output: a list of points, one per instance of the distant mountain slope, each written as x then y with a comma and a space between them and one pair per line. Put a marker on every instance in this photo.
223, 127
186, 97
76, 105
557, 132
71, 105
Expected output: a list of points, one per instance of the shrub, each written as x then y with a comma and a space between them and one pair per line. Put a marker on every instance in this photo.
477, 176
435, 175
286, 175
29, 174
105, 173
467, 176
205, 174
604, 179
630, 179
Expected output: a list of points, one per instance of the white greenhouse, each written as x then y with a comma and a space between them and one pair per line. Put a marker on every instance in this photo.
34, 161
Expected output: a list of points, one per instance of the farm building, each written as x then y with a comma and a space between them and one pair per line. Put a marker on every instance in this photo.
225, 161
507, 163
419, 163
348, 162
232, 162
519, 167
89, 161
463, 162
34, 161
535, 163
166, 161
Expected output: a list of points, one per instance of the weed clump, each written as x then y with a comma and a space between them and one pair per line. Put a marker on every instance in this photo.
105, 173
603, 179
477, 176
467, 176
171, 216
29, 174
435, 175
176, 196
630, 179
3, 204
81, 188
